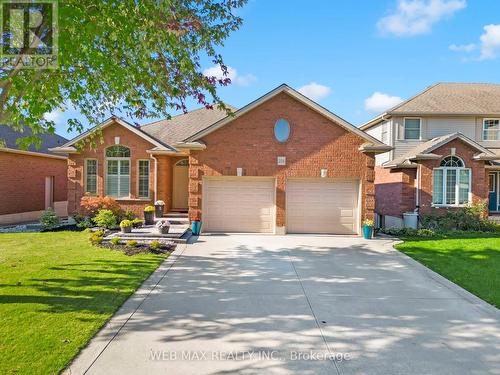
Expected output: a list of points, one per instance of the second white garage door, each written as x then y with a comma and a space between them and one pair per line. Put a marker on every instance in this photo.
322, 206
238, 205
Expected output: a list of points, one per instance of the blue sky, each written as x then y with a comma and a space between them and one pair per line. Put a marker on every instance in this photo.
356, 58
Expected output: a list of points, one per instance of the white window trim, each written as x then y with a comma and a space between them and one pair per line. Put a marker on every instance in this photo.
96, 176
129, 175
490, 140
457, 187
419, 130
494, 175
149, 179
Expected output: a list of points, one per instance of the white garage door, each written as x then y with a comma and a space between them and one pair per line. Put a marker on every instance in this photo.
238, 205
322, 206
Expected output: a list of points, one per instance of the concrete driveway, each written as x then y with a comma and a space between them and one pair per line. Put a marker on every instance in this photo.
254, 304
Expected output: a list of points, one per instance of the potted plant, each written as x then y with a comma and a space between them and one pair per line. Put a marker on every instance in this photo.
163, 226
126, 226
368, 225
196, 224
137, 223
159, 206
149, 215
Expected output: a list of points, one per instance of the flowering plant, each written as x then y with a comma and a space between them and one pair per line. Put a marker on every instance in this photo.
149, 209
368, 222
159, 203
197, 217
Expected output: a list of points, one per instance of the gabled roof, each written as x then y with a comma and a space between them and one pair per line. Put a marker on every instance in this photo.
178, 128
9, 136
424, 151
69, 147
372, 145
454, 99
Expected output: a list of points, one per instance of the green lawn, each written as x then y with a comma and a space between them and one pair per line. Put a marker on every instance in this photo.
469, 260
56, 291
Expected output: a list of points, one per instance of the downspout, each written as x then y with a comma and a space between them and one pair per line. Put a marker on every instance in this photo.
156, 177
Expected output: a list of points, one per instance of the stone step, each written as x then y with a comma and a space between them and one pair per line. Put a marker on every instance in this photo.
176, 214
148, 239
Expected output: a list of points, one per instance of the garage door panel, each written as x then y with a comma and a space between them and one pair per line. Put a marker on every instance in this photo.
319, 206
239, 205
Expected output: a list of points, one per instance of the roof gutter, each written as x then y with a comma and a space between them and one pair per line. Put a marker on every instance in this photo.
32, 153
383, 117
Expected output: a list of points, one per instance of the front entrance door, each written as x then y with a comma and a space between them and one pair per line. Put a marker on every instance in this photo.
180, 188
494, 191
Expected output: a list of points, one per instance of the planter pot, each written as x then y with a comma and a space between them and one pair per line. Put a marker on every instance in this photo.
126, 229
159, 210
149, 218
367, 232
196, 227
163, 230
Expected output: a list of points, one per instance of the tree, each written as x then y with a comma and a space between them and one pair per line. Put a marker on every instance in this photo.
138, 57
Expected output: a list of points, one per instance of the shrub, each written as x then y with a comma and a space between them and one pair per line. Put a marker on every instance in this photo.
115, 241
83, 222
149, 209
105, 219
469, 218
155, 245
125, 223
49, 219
90, 205
96, 237
131, 243
129, 215
405, 232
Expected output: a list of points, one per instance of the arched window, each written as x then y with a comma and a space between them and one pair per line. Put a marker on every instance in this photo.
117, 152
452, 161
182, 163
451, 182
118, 171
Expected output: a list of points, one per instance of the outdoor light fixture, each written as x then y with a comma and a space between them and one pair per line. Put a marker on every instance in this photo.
281, 160
239, 172
324, 173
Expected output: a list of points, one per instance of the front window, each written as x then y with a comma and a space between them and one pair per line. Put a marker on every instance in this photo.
491, 130
451, 183
118, 171
91, 176
143, 179
412, 128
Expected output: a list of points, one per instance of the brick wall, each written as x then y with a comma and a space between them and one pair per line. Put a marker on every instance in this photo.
22, 185
314, 143
478, 173
394, 191
138, 147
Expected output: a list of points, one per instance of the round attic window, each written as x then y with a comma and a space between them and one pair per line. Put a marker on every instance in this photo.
281, 130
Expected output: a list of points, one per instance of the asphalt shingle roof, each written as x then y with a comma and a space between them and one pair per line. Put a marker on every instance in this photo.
178, 128
453, 98
9, 136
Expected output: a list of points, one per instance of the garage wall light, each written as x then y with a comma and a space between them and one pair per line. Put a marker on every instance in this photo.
239, 172
324, 173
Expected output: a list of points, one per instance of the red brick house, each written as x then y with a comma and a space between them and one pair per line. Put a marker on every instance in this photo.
281, 164
445, 151
31, 180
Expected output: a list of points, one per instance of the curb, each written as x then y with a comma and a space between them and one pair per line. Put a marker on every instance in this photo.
96, 346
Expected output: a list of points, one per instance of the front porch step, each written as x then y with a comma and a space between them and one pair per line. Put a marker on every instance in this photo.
146, 238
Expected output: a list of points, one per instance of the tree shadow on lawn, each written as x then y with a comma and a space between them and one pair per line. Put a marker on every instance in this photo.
95, 286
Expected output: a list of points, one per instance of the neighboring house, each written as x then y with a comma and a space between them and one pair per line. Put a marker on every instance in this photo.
30, 180
446, 151
281, 164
